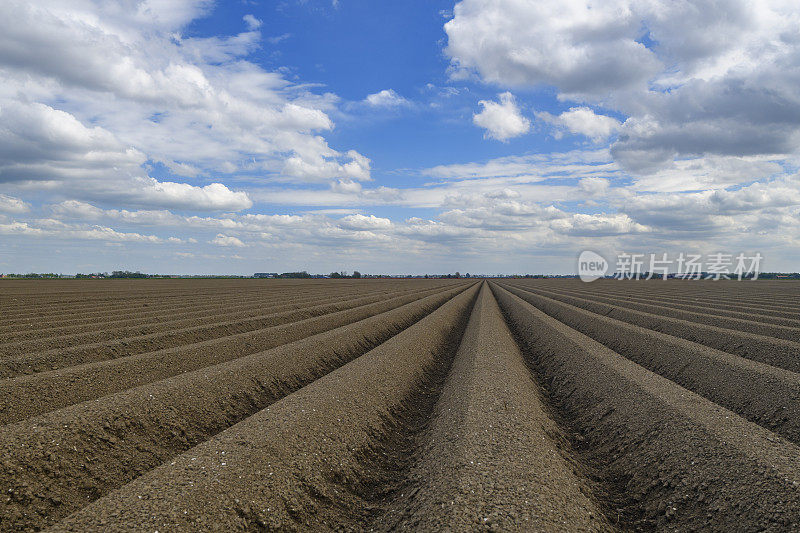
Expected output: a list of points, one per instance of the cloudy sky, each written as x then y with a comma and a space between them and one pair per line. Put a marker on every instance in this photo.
488, 136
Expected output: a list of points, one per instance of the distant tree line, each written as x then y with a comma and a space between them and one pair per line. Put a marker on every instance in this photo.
457, 275
302, 275
340, 275
117, 274
305, 275
777, 275
33, 275
129, 274
120, 274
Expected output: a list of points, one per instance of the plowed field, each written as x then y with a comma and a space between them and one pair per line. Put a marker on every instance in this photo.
419, 405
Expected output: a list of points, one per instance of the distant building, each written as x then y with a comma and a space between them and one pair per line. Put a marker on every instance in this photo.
265, 275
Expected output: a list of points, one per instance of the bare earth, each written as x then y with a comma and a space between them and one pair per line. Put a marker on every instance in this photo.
419, 405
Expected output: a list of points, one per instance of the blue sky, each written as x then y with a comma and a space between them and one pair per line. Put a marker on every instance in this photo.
483, 135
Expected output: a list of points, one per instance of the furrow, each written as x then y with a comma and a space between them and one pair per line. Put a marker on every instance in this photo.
145, 315
776, 352
27, 396
772, 329
43, 342
90, 304
491, 457
769, 294
55, 359
152, 307
296, 464
709, 310
679, 461
156, 299
57, 463
764, 394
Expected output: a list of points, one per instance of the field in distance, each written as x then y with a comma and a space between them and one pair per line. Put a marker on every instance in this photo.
373, 404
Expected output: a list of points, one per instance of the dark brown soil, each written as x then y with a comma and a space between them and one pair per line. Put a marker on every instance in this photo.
674, 460
417, 405
58, 462
491, 457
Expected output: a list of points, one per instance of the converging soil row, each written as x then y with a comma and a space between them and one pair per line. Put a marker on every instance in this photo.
546, 405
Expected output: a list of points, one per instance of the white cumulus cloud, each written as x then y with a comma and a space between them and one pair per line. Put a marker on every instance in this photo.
580, 46
10, 204
252, 22
583, 121
94, 93
386, 98
502, 120
364, 222
695, 78
227, 240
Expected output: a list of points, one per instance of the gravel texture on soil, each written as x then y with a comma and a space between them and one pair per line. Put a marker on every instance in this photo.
27, 396
492, 458
764, 394
297, 463
56, 463
386, 404
759, 347
54, 359
710, 313
678, 461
